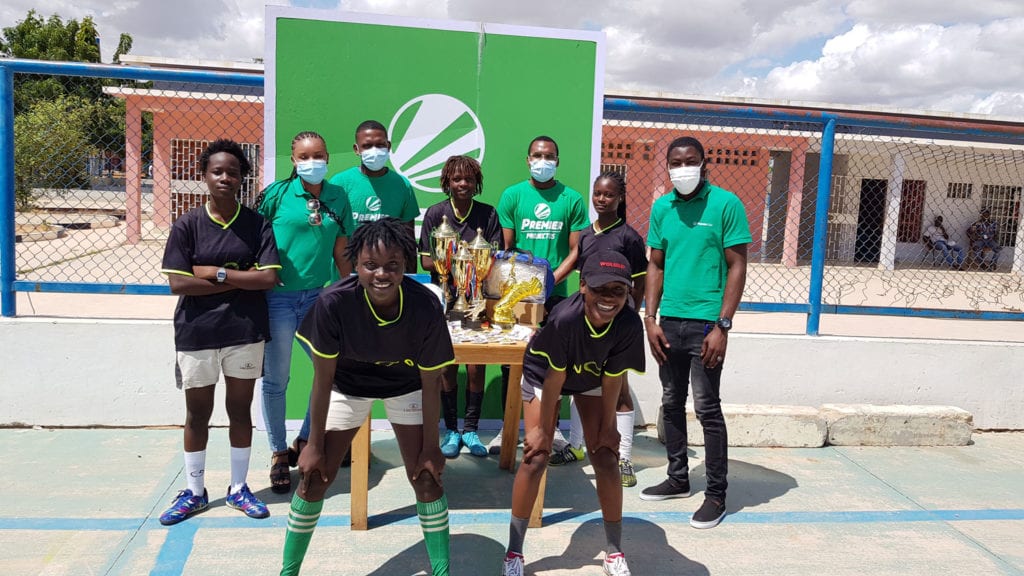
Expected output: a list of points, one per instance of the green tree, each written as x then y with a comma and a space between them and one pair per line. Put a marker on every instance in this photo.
52, 147
99, 119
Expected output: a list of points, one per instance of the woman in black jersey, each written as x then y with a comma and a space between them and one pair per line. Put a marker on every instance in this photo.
611, 232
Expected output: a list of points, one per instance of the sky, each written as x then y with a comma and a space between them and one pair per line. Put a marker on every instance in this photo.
929, 55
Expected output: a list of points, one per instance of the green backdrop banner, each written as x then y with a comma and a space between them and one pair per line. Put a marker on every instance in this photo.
442, 88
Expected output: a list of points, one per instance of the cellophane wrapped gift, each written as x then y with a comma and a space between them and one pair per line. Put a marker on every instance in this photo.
526, 267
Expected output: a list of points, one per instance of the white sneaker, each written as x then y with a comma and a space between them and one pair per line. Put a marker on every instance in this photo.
558, 441
494, 446
615, 565
513, 565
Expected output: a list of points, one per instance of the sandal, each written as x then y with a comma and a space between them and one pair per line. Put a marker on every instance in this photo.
294, 450
280, 473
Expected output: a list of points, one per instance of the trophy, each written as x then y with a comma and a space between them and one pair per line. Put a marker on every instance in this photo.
462, 273
483, 258
443, 241
512, 293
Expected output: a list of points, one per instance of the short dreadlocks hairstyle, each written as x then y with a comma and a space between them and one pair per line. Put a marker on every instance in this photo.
391, 232
465, 166
229, 146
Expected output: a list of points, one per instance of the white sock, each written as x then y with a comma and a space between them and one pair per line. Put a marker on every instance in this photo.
195, 471
575, 426
239, 467
624, 424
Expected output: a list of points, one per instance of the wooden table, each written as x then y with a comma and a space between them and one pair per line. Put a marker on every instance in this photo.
465, 353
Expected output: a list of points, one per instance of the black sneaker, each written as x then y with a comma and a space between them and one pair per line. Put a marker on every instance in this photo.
669, 488
709, 514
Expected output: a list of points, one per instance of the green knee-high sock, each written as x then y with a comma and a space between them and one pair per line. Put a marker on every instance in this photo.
302, 519
434, 522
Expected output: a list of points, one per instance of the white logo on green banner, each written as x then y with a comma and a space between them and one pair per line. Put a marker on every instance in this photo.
433, 127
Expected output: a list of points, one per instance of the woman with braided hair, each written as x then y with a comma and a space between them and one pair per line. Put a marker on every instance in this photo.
376, 335
312, 221
461, 181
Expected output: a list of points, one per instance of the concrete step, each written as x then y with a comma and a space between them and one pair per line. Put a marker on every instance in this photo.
762, 426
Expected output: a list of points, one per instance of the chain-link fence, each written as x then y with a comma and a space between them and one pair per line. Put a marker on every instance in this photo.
103, 167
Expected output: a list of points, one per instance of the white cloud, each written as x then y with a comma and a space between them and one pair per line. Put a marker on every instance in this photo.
914, 53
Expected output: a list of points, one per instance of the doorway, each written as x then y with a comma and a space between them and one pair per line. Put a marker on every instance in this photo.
870, 217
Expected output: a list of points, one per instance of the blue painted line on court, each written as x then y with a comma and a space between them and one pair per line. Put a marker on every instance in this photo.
502, 517
176, 549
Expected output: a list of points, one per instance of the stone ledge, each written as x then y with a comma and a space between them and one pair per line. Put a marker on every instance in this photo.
784, 426
762, 426
897, 425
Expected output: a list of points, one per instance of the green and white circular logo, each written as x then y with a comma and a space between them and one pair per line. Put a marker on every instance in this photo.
373, 204
426, 131
542, 211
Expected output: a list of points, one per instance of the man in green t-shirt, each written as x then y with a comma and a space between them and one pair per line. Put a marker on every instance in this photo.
698, 238
543, 216
374, 191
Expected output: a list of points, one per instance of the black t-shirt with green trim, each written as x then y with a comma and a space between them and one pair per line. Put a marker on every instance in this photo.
481, 215
621, 238
376, 358
568, 342
229, 318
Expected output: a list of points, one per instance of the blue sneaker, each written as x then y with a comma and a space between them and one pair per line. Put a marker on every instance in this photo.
247, 502
472, 441
451, 443
185, 504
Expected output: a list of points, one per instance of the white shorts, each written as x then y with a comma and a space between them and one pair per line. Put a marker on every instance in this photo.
530, 391
348, 412
201, 368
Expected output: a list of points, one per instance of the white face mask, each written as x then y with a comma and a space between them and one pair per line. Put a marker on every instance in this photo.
685, 178
543, 170
375, 158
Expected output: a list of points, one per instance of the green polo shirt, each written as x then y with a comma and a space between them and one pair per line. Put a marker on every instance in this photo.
542, 221
694, 234
307, 252
374, 198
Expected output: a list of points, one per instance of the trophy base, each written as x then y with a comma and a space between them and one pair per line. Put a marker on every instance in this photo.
471, 324
456, 316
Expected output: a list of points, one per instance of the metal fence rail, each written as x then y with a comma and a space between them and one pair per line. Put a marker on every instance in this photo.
840, 205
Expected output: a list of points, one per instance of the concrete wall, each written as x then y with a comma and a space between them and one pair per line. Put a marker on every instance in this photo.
120, 373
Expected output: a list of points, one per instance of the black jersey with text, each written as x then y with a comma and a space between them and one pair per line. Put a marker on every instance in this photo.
568, 342
621, 238
481, 215
378, 358
230, 318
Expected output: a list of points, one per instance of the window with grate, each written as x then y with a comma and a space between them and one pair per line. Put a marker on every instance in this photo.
958, 190
911, 209
1003, 202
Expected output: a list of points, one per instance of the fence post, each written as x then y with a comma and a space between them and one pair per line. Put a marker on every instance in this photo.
828, 146
8, 303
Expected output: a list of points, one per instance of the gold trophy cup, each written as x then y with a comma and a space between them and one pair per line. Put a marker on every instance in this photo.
443, 243
462, 267
483, 259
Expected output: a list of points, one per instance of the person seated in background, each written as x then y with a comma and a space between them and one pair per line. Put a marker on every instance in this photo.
982, 235
937, 238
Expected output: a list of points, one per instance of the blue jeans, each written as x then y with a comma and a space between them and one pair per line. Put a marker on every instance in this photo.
683, 366
980, 246
948, 252
287, 309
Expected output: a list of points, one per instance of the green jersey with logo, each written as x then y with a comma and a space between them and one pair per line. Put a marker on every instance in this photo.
374, 198
694, 234
542, 221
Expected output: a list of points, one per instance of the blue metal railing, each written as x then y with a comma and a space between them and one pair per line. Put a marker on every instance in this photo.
780, 117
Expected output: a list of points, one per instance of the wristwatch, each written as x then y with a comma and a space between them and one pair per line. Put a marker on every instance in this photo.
222, 275
724, 323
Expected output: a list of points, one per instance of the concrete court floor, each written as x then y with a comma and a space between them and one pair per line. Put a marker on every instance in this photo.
85, 502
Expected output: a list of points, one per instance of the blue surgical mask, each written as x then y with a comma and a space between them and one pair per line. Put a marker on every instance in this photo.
543, 170
375, 158
311, 171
